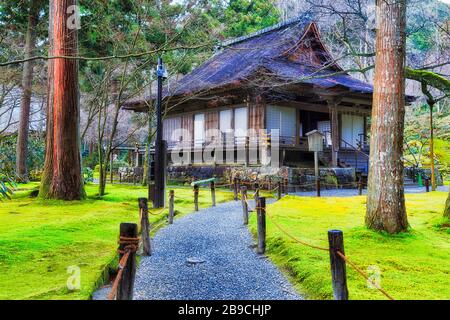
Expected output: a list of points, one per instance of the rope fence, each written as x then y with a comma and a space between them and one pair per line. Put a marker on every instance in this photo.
122, 288
336, 245
129, 241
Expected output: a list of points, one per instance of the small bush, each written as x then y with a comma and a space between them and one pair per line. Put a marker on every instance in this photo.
88, 175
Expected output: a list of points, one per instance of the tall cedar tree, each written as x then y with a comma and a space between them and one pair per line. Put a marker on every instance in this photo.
62, 177
25, 103
385, 201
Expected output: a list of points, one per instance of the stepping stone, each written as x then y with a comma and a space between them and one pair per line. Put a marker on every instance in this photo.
194, 261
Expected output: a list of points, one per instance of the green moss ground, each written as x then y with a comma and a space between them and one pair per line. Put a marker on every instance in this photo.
414, 265
40, 239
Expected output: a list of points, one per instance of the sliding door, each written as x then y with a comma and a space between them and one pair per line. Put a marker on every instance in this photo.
240, 124
199, 129
352, 127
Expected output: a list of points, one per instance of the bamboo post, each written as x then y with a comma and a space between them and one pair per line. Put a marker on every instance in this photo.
145, 227
338, 267
213, 193
171, 206
261, 220
244, 204
126, 284
196, 191
318, 187
427, 185
286, 186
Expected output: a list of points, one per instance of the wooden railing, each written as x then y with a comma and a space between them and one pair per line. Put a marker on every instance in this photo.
239, 142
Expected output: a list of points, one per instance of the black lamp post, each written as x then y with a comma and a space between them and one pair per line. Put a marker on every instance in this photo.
160, 145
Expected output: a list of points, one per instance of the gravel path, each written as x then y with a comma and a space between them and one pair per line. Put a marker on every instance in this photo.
209, 255
354, 192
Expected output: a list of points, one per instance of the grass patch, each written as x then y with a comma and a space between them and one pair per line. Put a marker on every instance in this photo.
413, 265
41, 239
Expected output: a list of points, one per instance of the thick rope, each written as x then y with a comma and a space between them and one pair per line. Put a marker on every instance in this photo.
159, 212
346, 259
131, 245
290, 235
340, 254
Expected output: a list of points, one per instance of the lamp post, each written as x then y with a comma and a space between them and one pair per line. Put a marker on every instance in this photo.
160, 145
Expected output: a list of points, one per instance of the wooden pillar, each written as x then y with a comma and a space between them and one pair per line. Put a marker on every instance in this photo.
297, 127
360, 186
334, 133
279, 190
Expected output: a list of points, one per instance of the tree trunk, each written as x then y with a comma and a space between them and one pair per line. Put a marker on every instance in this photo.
27, 82
433, 175
447, 207
385, 201
145, 177
64, 180
47, 174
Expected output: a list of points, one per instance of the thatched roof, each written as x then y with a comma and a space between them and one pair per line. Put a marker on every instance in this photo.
291, 52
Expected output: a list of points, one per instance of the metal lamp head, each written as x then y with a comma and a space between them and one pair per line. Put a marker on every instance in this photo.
161, 71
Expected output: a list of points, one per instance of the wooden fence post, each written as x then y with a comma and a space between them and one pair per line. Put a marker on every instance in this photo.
126, 284
338, 268
318, 187
427, 185
244, 204
196, 191
286, 186
235, 189
171, 206
261, 219
279, 191
360, 186
256, 192
213, 193
145, 227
